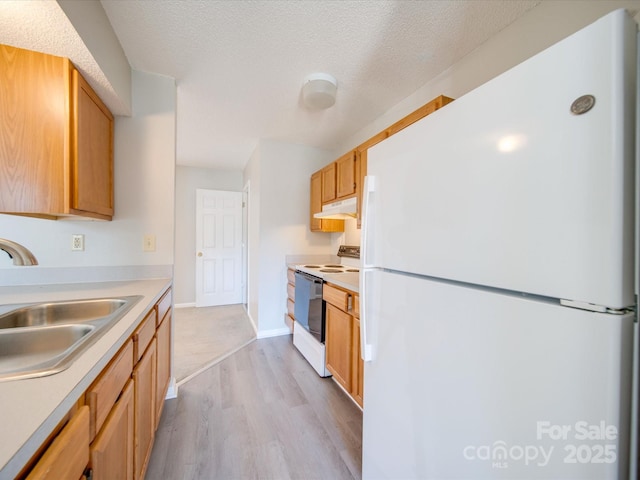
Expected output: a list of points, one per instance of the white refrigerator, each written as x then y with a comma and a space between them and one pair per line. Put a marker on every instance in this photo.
498, 292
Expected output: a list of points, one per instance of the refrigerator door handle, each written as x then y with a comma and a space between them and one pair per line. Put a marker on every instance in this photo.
366, 349
367, 221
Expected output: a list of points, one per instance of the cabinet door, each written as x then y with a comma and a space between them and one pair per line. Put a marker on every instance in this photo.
163, 336
144, 381
112, 451
329, 183
317, 224
316, 201
338, 345
357, 391
346, 175
91, 152
68, 455
33, 104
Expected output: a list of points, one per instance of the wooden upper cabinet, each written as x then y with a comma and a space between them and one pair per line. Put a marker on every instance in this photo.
317, 224
56, 147
329, 183
316, 201
346, 175
91, 152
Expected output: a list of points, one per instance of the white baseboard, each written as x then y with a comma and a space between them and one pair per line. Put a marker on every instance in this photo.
184, 305
253, 324
275, 332
172, 391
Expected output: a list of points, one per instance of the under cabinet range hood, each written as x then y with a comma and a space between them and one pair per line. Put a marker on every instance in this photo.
338, 210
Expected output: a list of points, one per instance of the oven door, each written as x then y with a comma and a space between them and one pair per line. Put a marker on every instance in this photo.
309, 306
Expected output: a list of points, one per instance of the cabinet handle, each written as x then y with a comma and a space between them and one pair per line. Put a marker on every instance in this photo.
199, 254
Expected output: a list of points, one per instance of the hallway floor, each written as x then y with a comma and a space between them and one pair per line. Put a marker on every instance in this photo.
205, 335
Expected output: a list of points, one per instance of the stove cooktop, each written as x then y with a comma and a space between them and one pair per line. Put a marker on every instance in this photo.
350, 255
319, 270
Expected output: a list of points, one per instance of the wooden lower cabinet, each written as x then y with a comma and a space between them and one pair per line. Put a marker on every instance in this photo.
163, 363
113, 426
113, 449
357, 366
342, 340
144, 384
338, 345
68, 455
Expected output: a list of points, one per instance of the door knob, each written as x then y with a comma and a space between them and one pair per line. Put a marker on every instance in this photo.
199, 254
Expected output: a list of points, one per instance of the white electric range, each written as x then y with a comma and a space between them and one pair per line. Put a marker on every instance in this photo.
309, 309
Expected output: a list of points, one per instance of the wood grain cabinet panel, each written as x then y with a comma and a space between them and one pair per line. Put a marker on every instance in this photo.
163, 337
346, 176
91, 152
102, 395
357, 385
338, 344
338, 297
112, 451
164, 304
144, 334
68, 455
329, 183
342, 340
56, 147
144, 384
318, 224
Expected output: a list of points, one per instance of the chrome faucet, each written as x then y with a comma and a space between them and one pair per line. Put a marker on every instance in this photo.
20, 255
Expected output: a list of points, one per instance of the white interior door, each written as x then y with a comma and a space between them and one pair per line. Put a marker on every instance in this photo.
218, 247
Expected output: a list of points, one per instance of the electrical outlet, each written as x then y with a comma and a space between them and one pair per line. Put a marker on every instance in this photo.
77, 242
149, 243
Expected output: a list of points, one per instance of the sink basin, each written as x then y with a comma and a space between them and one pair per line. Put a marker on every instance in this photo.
26, 349
45, 338
56, 313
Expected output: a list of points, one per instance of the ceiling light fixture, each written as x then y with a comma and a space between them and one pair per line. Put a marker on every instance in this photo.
319, 91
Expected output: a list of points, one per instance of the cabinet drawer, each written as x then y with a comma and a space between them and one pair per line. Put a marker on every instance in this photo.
356, 305
335, 296
104, 392
144, 334
68, 455
164, 304
291, 292
290, 307
291, 276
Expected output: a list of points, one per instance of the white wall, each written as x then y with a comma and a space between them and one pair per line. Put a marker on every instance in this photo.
188, 179
144, 167
539, 28
279, 175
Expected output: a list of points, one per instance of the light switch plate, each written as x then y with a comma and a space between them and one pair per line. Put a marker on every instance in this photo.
149, 243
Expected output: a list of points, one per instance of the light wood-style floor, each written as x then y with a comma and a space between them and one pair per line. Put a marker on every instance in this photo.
261, 413
204, 335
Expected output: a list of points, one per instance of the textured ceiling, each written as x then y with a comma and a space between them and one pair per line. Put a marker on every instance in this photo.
239, 65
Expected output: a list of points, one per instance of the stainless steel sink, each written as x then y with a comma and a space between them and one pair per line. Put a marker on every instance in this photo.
45, 338
56, 313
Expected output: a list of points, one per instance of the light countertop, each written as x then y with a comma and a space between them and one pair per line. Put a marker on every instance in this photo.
31, 408
348, 280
